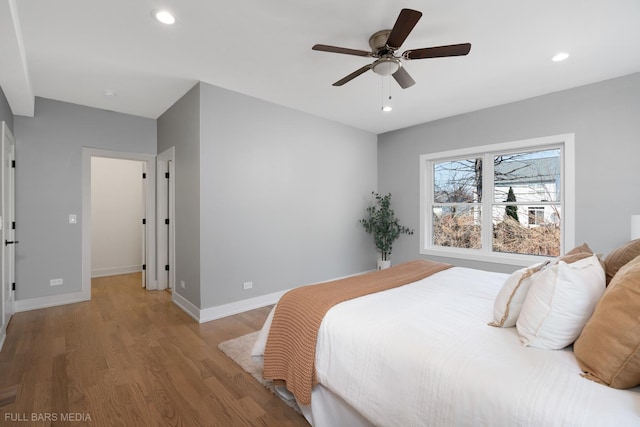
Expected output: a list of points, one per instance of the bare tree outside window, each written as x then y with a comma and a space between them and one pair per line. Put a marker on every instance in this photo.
457, 203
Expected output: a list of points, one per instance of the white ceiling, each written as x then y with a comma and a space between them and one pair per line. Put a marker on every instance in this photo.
75, 49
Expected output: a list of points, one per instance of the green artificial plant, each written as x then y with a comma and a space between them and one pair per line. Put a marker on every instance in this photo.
383, 224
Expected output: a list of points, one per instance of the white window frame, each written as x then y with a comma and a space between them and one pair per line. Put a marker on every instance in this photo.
566, 142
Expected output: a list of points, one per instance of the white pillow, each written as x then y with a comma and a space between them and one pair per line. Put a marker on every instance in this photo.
559, 303
509, 300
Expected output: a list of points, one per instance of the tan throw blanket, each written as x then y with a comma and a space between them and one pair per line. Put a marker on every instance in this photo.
290, 352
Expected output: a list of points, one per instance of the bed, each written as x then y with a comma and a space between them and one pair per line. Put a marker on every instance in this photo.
423, 354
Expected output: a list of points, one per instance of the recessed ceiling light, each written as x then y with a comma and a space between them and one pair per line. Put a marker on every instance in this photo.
165, 17
387, 108
560, 57
109, 92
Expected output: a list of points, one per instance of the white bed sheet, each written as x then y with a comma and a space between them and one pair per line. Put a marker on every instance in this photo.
423, 355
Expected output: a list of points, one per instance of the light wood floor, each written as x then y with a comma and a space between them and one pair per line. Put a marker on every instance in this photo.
130, 357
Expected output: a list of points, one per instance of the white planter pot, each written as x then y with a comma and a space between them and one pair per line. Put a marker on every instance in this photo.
384, 264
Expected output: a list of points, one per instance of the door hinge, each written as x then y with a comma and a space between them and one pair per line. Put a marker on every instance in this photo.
144, 175
166, 175
144, 266
13, 286
166, 267
13, 164
144, 221
13, 225
166, 221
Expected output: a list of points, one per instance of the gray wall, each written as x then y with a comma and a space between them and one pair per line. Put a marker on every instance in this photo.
179, 127
49, 187
281, 193
5, 111
605, 118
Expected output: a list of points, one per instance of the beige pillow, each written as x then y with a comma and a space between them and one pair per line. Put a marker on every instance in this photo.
608, 349
620, 256
576, 254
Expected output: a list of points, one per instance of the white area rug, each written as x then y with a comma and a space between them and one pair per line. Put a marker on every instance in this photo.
239, 350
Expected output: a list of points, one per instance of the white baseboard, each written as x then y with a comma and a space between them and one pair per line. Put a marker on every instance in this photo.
212, 313
220, 311
113, 271
186, 306
51, 301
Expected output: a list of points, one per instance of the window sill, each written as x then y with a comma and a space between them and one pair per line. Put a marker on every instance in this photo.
495, 258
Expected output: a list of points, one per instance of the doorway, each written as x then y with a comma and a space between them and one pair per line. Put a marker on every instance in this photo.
148, 163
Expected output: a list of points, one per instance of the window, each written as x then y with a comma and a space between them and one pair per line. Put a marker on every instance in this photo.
536, 215
510, 203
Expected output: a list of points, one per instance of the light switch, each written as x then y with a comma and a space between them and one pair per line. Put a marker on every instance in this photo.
73, 219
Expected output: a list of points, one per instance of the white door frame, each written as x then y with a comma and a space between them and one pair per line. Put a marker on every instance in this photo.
143, 225
7, 232
166, 210
150, 161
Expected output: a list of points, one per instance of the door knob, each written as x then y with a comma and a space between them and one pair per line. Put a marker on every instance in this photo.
10, 242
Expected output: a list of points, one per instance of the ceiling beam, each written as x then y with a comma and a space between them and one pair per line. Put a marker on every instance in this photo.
14, 74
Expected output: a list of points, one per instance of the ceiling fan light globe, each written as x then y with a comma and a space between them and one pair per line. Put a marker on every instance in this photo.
386, 66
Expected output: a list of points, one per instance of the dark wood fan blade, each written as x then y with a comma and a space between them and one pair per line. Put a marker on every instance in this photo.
438, 51
352, 75
407, 19
344, 50
403, 78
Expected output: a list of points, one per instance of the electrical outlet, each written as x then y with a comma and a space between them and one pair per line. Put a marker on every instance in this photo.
182, 284
247, 285
55, 282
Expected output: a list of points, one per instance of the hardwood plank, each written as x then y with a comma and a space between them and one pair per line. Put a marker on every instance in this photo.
8, 395
131, 357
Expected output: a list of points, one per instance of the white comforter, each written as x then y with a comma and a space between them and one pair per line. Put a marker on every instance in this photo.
423, 355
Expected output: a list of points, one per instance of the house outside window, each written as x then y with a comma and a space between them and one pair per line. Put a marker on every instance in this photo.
510, 203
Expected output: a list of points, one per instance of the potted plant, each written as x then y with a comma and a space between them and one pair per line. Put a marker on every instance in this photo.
385, 227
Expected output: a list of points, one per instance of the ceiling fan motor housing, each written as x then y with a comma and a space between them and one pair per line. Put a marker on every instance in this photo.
378, 41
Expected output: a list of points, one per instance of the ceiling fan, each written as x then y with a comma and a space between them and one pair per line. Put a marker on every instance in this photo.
384, 45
